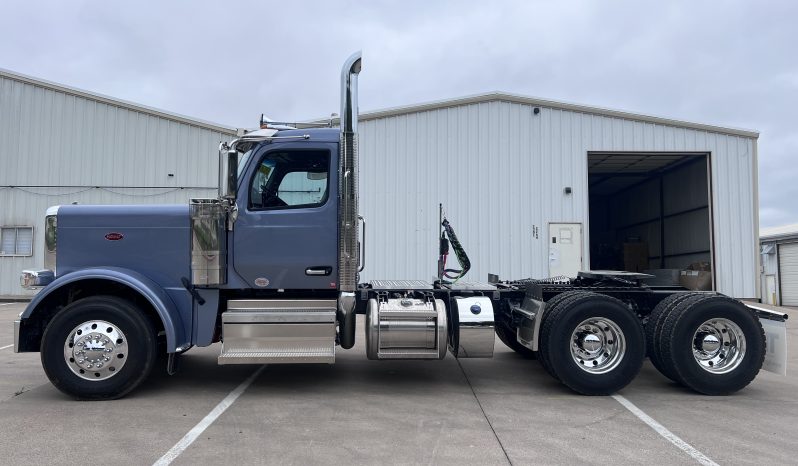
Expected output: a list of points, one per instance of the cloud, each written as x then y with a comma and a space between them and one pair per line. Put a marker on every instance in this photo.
728, 64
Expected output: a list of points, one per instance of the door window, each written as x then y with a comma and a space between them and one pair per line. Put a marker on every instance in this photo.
292, 179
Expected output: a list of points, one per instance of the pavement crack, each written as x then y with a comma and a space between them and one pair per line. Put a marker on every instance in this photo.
485, 415
599, 420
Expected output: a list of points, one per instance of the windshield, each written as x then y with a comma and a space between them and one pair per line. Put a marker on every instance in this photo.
242, 162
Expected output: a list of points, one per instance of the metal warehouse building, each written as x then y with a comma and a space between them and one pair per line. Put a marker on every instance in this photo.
534, 188
779, 248
60, 145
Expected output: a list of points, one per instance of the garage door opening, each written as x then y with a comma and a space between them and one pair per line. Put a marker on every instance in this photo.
651, 212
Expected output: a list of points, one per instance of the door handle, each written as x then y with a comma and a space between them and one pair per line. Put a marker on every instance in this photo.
318, 271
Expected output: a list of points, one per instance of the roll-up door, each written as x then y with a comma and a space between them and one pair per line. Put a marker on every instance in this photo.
788, 273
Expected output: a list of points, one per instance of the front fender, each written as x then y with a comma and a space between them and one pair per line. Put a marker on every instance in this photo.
159, 299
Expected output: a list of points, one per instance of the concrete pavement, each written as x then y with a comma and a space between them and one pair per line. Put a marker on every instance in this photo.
491, 411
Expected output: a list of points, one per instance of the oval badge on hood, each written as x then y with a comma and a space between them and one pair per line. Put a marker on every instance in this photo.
114, 236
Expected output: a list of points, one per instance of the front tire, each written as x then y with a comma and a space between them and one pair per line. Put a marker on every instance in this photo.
101, 347
592, 343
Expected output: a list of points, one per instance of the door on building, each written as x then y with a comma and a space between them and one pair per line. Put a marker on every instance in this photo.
770, 290
650, 211
788, 273
565, 249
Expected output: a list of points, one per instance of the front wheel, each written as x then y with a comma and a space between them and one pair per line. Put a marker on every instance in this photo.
592, 343
100, 347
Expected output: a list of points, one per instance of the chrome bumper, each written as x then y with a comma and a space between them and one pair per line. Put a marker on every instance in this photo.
35, 279
16, 335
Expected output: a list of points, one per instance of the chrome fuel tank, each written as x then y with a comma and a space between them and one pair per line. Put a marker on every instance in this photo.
406, 328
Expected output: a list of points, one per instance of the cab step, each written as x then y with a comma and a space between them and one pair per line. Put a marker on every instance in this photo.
278, 332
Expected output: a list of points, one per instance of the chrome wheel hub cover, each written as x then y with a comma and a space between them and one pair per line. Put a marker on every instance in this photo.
95, 350
597, 345
719, 346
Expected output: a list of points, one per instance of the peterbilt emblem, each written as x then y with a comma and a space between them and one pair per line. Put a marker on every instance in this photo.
476, 309
114, 236
262, 282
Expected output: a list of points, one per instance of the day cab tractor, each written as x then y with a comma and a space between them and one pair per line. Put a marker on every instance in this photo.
270, 268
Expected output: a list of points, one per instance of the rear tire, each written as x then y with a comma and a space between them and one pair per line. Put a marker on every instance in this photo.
551, 308
508, 337
653, 329
593, 343
714, 345
100, 347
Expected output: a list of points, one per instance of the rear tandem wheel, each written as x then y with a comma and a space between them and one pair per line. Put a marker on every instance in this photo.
712, 344
592, 343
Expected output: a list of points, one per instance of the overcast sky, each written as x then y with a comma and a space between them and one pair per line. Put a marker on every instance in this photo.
730, 63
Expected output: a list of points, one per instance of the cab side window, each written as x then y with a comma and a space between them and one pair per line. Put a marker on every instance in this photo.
290, 179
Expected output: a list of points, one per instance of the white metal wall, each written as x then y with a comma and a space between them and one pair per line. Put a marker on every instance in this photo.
500, 170
58, 147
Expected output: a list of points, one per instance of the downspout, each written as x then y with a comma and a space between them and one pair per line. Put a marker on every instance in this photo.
348, 257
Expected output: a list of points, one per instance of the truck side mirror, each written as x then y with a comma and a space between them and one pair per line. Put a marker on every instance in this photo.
228, 172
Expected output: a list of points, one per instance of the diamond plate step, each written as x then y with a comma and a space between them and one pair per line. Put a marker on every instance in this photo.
277, 357
278, 332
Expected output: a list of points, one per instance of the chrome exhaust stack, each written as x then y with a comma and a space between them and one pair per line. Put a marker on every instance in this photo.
348, 173
348, 250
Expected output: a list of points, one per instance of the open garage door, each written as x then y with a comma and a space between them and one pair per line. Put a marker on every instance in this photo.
651, 212
788, 273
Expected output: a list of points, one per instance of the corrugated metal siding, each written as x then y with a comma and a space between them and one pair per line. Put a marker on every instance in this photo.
788, 273
51, 138
500, 171
58, 148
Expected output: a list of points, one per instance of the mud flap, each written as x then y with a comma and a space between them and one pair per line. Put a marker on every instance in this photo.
776, 337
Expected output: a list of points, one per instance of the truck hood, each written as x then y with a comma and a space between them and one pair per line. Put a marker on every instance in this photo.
151, 239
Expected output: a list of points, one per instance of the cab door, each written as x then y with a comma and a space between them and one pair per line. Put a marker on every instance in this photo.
285, 236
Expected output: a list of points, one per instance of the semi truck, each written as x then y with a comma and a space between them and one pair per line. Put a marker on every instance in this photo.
271, 269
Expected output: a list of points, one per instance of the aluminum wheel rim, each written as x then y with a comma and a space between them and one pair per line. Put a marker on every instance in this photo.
719, 346
597, 345
95, 350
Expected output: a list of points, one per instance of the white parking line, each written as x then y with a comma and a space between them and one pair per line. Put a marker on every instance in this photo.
6, 304
7, 346
192, 435
668, 435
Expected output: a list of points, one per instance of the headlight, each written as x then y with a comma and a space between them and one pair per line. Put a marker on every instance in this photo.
33, 279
